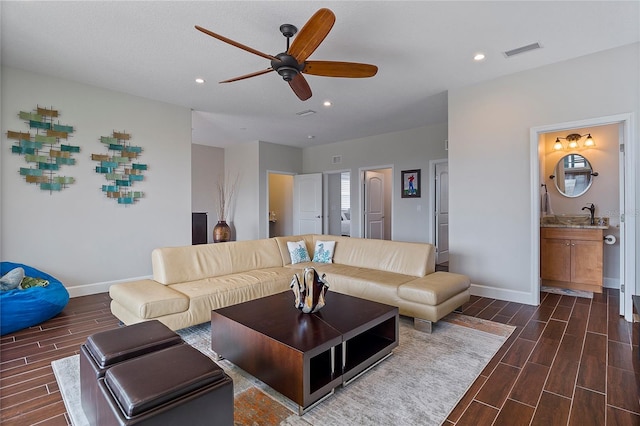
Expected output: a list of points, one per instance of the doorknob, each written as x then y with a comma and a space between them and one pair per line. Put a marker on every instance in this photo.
318, 217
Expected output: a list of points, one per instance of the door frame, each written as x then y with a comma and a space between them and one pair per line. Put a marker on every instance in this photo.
627, 136
361, 195
432, 199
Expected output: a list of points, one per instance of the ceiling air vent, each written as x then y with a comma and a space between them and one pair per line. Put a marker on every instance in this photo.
336, 159
305, 112
517, 51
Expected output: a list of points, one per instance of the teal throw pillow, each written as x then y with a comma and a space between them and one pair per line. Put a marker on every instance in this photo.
298, 252
323, 252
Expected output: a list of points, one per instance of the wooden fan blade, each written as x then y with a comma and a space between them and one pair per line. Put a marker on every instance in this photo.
312, 34
300, 87
236, 44
253, 74
339, 69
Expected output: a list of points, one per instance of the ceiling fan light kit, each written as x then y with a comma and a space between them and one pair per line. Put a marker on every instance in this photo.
292, 64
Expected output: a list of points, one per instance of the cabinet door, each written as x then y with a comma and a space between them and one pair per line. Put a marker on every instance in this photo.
555, 262
586, 262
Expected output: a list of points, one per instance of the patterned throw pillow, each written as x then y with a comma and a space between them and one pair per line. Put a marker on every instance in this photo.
323, 253
298, 252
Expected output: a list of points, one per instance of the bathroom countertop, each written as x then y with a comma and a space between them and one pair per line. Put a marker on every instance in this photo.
559, 225
577, 222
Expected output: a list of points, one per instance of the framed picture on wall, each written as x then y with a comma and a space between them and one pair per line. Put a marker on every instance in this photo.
410, 181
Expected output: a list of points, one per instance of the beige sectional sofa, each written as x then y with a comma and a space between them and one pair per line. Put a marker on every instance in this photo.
189, 282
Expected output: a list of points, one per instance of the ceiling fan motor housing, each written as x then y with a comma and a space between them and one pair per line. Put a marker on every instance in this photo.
287, 66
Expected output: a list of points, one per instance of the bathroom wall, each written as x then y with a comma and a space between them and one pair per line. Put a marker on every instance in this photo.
281, 202
604, 192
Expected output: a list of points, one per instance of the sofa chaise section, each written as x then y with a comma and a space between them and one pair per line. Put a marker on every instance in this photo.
398, 273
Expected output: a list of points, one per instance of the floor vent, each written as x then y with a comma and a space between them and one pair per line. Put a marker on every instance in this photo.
517, 51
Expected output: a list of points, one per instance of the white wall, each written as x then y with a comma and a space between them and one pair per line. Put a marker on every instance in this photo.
242, 160
404, 150
78, 235
207, 167
489, 158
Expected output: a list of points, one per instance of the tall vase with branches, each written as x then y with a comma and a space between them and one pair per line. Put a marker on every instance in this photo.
226, 188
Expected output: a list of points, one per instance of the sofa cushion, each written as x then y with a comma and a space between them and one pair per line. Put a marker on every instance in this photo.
190, 263
435, 288
416, 259
217, 292
377, 291
148, 299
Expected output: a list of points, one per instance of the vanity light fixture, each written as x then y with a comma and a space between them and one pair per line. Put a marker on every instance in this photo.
573, 139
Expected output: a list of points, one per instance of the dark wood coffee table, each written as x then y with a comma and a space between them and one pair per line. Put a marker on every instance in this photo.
305, 356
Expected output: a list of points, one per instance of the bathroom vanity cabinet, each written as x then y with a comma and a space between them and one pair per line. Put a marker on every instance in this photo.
572, 258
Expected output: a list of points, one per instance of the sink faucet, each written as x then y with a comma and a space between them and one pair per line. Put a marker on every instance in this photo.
591, 209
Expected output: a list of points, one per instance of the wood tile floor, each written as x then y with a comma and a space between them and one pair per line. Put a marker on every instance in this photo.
570, 361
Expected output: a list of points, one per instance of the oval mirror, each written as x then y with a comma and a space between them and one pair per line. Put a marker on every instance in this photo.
573, 175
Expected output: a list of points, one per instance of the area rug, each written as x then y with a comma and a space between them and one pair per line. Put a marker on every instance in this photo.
567, 292
419, 384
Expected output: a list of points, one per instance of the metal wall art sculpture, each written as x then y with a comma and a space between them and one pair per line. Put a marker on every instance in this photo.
119, 169
42, 148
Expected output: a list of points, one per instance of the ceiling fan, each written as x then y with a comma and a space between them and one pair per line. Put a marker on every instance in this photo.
292, 63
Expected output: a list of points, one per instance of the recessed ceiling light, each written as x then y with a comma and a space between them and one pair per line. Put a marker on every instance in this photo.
478, 57
327, 103
200, 80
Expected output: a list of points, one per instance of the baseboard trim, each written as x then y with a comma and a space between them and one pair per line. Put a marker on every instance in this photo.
96, 288
503, 294
611, 283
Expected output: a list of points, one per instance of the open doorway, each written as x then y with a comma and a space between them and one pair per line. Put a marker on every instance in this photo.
337, 203
376, 199
280, 209
624, 146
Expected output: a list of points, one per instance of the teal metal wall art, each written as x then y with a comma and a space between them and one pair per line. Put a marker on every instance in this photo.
119, 169
42, 148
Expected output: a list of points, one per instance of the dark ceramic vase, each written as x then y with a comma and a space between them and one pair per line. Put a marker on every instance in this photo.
221, 232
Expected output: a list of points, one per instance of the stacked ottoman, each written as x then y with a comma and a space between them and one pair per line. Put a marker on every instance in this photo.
144, 374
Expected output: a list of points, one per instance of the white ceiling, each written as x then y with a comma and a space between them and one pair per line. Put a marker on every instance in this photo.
422, 49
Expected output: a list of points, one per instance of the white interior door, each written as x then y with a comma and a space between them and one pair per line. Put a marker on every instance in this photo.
374, 205
442, 212
307, 204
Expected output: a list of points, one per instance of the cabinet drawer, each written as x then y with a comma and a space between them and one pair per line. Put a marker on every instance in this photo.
572, 233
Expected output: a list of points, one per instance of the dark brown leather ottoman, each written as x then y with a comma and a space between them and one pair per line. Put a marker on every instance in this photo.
174, 386
108, 348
